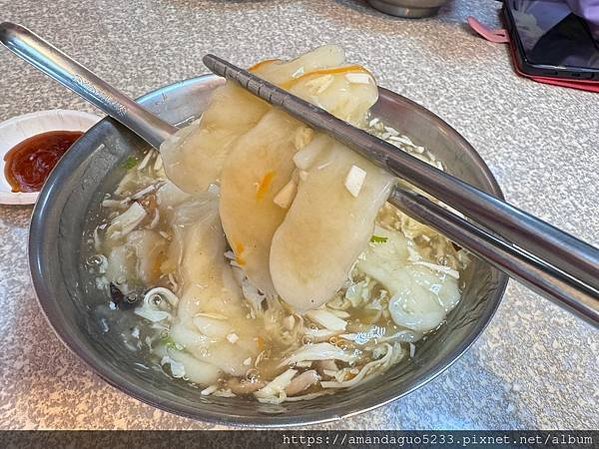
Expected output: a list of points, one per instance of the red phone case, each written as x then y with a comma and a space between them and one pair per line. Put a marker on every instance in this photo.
501, 36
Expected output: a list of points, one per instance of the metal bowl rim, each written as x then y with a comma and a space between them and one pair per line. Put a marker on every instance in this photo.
36, 230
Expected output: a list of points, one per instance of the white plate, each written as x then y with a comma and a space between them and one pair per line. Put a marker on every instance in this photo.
18, 129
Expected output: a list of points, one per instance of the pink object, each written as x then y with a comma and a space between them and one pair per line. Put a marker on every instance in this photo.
501, 37
495, 36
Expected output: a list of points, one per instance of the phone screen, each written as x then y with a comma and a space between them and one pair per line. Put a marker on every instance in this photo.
552, 35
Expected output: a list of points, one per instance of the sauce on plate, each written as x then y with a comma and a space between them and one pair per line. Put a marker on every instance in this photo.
28, 165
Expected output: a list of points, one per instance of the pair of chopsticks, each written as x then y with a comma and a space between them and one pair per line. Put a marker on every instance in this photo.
544, 258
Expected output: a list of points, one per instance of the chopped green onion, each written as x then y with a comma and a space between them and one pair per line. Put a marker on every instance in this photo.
378, 239
130, 163
170, 343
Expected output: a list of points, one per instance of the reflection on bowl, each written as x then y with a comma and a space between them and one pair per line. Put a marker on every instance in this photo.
61, 238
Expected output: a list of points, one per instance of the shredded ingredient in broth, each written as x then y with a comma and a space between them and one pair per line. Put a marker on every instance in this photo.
214, 306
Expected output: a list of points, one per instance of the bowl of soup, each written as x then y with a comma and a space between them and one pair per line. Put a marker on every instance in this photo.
252, 272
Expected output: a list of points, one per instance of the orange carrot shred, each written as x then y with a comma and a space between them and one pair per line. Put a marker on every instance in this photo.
317, 73
239, 249
265, 185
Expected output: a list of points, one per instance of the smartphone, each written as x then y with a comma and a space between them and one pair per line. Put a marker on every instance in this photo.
550, 41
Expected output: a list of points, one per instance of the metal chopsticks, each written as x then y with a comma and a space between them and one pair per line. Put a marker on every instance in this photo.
549, 261
552, 262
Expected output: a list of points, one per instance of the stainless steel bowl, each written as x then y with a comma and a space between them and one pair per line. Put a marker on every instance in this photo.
413, 9
60, 241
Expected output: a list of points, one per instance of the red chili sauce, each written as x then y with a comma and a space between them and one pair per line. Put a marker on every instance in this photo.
29, 163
